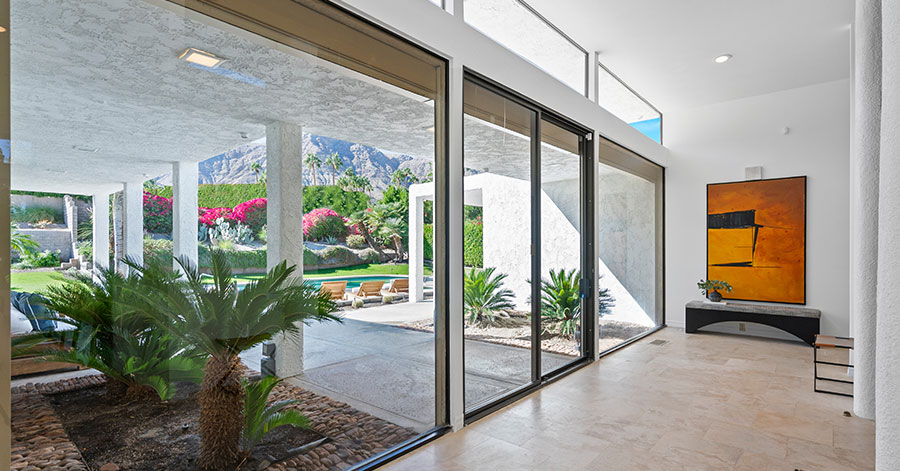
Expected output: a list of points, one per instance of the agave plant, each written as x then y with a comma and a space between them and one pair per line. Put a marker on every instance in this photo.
137, 356
260, 417
222, 320
484, 296
561, 302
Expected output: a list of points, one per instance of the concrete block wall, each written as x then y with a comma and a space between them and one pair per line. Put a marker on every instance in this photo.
52, 240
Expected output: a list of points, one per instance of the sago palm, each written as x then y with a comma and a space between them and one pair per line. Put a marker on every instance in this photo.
484, 296
136, 356
260, 417
222, 320
561, 302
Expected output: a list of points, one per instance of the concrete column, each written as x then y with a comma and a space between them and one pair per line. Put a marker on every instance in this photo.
101, 230
284, 212
133, 218
185, 177
887, 353
864, 202
118, 212
416, 242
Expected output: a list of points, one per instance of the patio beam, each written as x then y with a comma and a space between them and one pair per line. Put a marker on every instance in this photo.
133, 218
284, 212
100, 233
185, 177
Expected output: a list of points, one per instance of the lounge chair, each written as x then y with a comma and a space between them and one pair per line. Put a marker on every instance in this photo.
369, 288
338, 289
399, 285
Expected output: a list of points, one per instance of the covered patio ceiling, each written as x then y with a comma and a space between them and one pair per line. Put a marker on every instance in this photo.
100, 97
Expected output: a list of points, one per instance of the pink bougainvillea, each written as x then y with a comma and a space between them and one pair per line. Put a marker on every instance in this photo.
252, 213
323, 222
352, 229
208, 218
157, 213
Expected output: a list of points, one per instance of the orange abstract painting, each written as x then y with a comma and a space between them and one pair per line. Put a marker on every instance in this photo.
756, 239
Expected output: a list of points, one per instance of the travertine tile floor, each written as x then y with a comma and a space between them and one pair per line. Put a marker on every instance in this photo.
700, 401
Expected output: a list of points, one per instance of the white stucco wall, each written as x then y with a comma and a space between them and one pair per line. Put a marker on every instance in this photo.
715, 143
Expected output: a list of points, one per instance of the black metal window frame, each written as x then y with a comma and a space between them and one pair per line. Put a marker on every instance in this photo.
587, 264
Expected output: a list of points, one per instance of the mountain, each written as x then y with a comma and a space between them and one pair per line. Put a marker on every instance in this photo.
235, 166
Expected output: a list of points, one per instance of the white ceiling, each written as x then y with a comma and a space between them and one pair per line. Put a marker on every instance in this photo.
664, 49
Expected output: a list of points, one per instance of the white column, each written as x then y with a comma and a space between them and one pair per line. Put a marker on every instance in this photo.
416, 243
133, 217
101, 230
864, 203
887, 354
284, 212
454, 219
185, 177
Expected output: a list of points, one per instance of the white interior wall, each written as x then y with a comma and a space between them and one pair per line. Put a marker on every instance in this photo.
715, 143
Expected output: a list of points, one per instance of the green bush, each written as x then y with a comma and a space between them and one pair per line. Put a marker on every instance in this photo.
159, 251
236, 258
341, 201
370, 256
310, 257
356, 241
337, 255
36, 214
221, 194
472, 241
43, 194
39, 259
86, 249
428, 236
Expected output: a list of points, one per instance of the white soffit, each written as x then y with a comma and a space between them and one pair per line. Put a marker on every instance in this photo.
664, 49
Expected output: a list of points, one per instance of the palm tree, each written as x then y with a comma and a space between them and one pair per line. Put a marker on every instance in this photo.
256, 168
222, 321
347, 181
404, 177
484, 296
363, 221
137, 357
394, 230
21, 243
362, 183
335, 162
313, 161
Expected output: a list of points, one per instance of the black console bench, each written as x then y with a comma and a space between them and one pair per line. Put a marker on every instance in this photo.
801, 322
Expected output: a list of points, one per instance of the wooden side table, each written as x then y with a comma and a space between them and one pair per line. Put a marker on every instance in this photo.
837, 383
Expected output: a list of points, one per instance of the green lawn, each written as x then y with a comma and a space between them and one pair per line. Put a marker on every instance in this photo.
356, 270
34, 281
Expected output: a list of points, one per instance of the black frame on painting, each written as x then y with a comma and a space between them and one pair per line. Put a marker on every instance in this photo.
805, 221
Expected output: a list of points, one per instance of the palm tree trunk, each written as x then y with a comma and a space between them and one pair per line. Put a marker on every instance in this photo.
333, 170
368, 237
314, 175
221, 399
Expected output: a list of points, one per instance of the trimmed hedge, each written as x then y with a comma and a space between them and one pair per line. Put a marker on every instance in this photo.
473, 249
43, 194
230, 195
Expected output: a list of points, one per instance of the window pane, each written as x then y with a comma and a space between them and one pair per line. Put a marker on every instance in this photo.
629, 247
616, 98
516, 27
497, 254
561, 314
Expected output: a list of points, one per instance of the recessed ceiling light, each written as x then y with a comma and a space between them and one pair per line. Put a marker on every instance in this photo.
723, 58
83, 148
196, 56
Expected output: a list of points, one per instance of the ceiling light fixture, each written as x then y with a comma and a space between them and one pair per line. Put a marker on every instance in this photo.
84, 148
723, 58
203, 58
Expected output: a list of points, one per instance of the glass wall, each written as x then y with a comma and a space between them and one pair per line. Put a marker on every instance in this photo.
629, 247
318, 139
499, 330
617, 98
519, 28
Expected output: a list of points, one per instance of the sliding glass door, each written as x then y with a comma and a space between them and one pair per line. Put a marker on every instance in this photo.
524, 251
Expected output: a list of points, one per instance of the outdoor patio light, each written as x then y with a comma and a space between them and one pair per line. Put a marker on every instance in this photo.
203, 58
723, 58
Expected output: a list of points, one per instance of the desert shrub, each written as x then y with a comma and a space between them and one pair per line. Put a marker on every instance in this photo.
333, 197
310, 257
236, 258
158, 251
330, 240
356, 241
473, 253
157, 214
251, 213
36, 214
38, 259
323, 222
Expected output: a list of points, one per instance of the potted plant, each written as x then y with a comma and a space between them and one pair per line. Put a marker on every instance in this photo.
711, 289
